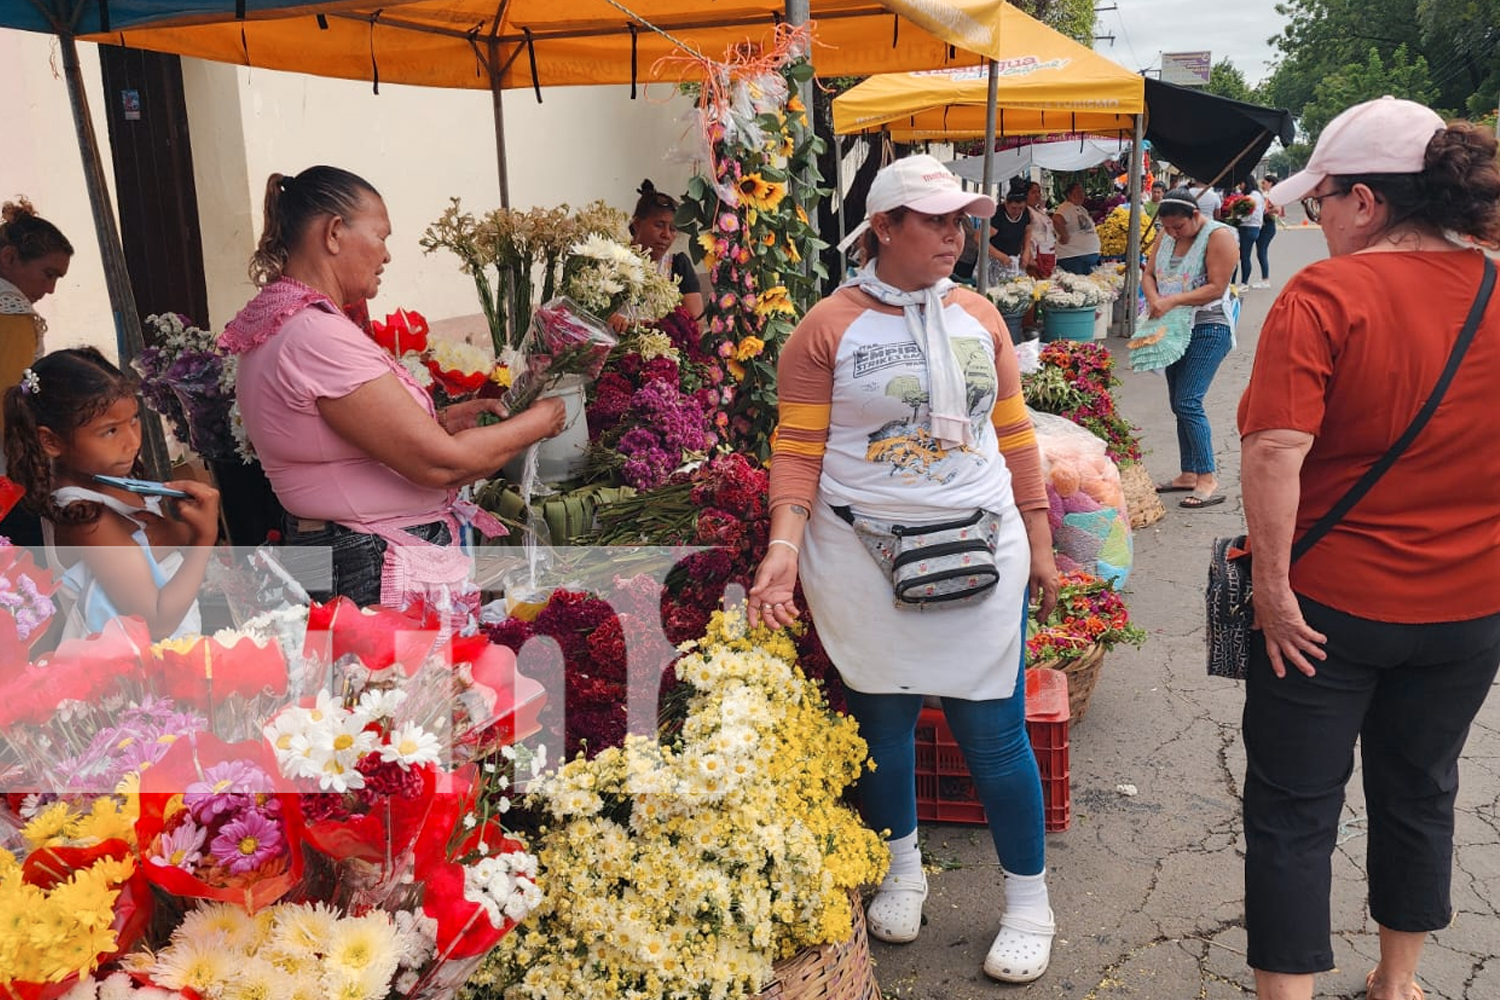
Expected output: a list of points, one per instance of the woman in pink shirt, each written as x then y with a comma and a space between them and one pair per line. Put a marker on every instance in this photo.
362, 461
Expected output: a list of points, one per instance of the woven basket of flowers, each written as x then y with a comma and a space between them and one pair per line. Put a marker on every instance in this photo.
1090, 619
1082, 673
841, 971
1141, 500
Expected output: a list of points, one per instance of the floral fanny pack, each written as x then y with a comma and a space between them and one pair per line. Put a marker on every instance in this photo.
941, 565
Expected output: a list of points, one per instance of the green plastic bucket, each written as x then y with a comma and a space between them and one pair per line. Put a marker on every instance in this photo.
1068, 324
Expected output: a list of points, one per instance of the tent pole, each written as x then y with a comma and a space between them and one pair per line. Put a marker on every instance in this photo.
982, 256
493, 67
838, 191
1133, 240
798, 12
129, 339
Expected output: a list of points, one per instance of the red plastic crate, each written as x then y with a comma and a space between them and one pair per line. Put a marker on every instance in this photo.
945, 793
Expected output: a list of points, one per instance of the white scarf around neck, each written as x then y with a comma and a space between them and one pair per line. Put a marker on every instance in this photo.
948, 396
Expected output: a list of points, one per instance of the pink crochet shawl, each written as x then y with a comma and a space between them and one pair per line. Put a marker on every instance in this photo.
263, 315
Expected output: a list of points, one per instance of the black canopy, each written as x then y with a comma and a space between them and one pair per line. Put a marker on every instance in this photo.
1202, 134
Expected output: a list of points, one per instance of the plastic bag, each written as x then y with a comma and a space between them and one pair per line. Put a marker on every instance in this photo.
563, 339
1086, 506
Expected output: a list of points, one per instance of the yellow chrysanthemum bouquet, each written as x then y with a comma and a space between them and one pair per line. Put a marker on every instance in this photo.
685, 866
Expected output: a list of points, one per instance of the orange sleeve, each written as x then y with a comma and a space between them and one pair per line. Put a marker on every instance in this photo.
1013, 430
804, 387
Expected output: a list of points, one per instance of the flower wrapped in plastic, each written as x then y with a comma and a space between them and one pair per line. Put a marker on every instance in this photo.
308, 824
72, 896
564, 339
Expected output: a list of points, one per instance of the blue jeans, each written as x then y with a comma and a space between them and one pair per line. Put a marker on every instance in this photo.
1263, 249
1079, 265
1249, 236
358, 557
1188, 379
997, 751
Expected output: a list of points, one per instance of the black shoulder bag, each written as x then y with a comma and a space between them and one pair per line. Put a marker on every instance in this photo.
1228, 605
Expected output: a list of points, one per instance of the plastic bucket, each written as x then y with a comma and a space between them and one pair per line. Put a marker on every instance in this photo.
565, 456
1068, 324
1013, 324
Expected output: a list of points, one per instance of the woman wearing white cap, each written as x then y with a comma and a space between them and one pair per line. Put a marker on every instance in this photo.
1388, 629
900, 406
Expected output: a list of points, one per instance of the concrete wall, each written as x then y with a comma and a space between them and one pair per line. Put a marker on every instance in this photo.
419, 147
41, 161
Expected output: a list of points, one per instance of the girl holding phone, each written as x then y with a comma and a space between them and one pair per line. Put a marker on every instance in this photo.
74, 417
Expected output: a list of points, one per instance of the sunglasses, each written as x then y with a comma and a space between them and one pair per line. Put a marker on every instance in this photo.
1313, 205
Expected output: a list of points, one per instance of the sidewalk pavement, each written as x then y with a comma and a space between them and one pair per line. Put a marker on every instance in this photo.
1147, 884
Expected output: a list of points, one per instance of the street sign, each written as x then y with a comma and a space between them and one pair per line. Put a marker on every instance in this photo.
1186, 69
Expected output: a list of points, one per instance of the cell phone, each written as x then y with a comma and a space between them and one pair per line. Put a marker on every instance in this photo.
143, 487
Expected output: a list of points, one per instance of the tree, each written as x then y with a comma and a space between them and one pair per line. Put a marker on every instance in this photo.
1398, 76
1285, 162
1225, 80
1074, 18
1459, 41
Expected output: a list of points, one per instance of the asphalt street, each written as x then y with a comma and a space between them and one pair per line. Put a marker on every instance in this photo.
1147, 884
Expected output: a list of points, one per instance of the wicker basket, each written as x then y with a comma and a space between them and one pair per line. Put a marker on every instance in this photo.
1083, 674
1141, 501
829, 971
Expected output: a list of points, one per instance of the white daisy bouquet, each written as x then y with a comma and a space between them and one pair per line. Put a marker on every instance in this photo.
1013, 295
311, 806
685, 866
1070, 291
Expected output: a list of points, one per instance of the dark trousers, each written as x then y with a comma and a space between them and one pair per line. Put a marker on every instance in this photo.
1249, 236
1263, 249
1409, 693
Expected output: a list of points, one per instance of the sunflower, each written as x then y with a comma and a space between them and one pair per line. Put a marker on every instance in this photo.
759, 193
775, 300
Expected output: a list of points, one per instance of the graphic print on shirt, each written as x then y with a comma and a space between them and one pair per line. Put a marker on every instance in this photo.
888, 375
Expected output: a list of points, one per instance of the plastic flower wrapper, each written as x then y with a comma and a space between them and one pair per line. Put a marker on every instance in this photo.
10, 495
72, 896
187, 379
26, 605
404, 331
216, 824
460, 368
563, 340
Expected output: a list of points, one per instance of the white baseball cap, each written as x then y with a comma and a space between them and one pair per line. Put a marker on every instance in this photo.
1385, 136
922, 184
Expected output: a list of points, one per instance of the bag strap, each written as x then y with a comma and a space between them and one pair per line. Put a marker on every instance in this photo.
1356, 492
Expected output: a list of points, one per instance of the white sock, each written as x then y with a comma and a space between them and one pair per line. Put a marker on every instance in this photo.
1026, 896
906, 857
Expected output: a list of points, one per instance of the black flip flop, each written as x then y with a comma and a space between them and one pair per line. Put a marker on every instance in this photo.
1195, 502
1171, 487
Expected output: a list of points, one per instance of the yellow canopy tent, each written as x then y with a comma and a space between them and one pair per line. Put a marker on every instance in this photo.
1046, 82
1035, 96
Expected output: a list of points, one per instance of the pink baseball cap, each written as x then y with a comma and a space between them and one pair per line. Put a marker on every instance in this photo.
922, 184
1385, 136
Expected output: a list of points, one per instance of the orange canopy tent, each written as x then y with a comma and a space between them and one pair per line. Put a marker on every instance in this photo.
543, 43
486, 44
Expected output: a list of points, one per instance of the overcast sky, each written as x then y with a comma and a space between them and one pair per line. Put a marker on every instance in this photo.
1144, 29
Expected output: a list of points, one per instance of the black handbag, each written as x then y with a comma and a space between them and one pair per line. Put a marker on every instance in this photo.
1228, 606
